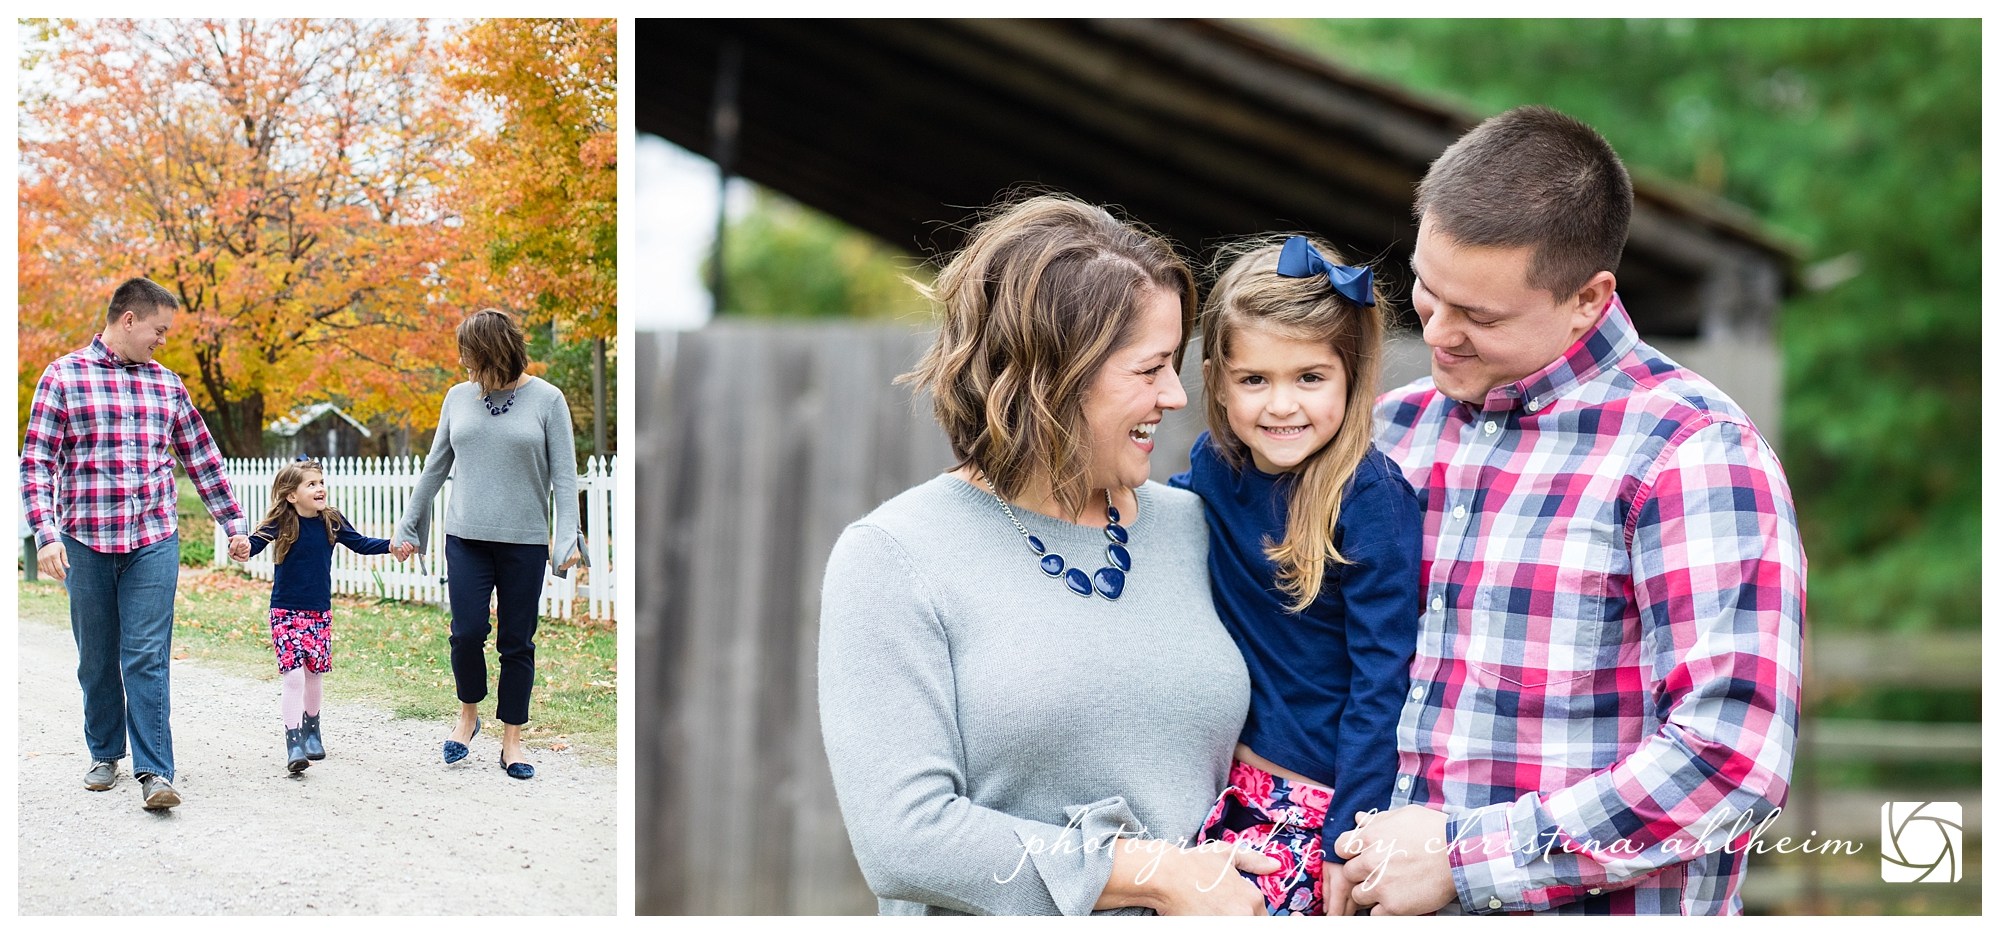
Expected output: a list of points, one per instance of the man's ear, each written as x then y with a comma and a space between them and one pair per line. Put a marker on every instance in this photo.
1593, 299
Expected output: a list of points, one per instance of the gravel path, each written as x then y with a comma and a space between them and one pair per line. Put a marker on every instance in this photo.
381, 825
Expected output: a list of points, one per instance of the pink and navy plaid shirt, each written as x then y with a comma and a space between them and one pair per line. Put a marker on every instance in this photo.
1607, 674
98, 461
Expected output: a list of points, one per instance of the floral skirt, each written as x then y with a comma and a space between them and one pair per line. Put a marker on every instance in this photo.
302, 637
1280, 819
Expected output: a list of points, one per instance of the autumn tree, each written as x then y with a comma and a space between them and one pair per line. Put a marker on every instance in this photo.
540, 195
282, 177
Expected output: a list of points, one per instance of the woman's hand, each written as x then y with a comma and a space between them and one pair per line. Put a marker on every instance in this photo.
1174, 881
402, 550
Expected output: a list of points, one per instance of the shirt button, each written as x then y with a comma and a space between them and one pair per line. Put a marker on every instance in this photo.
1596, 891
1534, 404
1417, 693
1403, 783
1437, 604
1491, 428
1494, 903
1458, 511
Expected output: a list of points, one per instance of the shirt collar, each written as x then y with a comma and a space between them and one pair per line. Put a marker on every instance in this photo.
105, 354
1608, 342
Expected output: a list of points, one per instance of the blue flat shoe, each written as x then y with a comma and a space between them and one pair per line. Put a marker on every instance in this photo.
455, 750
521, 770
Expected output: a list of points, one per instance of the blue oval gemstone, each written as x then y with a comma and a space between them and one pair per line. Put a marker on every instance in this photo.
1110, 582
1052, 565
1117, 533
1119, 557
1036, 544
1111, 512
1077, 582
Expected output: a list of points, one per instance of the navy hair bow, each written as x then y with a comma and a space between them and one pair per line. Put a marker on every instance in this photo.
1298, 260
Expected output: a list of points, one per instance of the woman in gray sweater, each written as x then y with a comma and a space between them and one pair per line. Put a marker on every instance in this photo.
1028, 702
504, 437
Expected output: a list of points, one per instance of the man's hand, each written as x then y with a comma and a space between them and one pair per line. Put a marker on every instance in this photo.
1399, 862
53, 559
239, 548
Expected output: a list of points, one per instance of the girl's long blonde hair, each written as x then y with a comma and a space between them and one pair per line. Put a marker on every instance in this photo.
1250, 293
285, 517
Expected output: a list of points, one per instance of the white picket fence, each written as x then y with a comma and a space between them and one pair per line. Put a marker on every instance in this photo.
372, 492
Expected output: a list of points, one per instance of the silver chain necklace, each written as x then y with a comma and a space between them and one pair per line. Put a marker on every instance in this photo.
1109, 581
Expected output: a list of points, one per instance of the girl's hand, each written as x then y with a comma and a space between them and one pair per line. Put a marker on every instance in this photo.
1175, 881
402, 550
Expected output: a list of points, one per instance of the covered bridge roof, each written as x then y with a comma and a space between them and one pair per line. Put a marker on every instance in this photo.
1203, 130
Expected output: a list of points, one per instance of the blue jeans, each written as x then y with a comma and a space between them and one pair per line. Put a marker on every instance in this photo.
121, 610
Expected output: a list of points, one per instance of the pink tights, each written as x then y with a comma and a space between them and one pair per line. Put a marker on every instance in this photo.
301, 695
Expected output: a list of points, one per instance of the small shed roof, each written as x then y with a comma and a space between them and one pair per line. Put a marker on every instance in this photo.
1204, 130
299, 418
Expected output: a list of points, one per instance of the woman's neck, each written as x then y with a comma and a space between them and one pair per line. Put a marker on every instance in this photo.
1039, 496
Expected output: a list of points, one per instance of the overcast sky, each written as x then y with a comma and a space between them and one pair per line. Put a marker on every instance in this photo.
662, 286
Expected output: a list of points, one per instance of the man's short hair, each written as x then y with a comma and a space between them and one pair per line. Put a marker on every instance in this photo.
1534, 176
142, 297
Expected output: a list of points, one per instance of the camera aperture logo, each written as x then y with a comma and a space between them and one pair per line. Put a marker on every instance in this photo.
1923, 841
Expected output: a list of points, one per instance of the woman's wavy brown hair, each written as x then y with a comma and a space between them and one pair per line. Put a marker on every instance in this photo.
1045, 289
1250, 293
494, 348
285, 518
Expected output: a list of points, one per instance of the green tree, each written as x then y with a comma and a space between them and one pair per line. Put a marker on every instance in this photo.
1862, 139
786, 260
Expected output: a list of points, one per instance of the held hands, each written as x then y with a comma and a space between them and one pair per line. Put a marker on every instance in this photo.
1398, 863
401, 551
53, 560
239, 548
1201, 880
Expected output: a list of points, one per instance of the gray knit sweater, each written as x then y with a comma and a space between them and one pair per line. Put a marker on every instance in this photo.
972, 706
503, 469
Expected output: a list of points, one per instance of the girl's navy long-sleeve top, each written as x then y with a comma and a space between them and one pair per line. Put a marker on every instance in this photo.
1326, 685
304, 581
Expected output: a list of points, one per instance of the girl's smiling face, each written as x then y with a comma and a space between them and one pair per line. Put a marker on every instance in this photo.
310, 496
1286, 397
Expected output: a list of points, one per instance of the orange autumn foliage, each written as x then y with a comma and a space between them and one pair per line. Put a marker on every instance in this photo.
541, 194
285, 178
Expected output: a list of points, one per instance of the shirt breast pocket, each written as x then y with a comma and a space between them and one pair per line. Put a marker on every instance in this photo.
1553, 621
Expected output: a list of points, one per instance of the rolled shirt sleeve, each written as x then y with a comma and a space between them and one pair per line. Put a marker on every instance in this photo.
1718, 585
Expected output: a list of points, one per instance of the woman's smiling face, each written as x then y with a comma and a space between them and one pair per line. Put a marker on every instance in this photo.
1136, 386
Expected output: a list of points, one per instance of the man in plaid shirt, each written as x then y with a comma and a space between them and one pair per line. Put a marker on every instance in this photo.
1607, 677
97, 486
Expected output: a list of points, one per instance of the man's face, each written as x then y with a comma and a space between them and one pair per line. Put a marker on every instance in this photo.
135, 339
1485, 326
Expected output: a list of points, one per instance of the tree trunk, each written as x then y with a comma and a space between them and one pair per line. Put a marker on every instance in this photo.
238, 426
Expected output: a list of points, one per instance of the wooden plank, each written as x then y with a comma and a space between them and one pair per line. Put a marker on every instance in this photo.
1852, 661
1887, 741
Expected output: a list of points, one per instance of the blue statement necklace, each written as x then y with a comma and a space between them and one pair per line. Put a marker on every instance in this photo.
499, 409
1109, 581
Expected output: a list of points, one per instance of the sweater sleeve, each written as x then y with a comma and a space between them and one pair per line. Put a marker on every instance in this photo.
559, 437
1380, 591
361, 544
887, 701
416, 525
264, 536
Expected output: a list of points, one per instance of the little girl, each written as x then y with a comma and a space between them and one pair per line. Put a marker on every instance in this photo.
1313, 554
301, 530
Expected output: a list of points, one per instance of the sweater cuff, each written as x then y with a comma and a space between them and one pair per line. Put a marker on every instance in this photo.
1076, 865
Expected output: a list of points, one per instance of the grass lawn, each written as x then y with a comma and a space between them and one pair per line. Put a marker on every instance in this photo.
392, 654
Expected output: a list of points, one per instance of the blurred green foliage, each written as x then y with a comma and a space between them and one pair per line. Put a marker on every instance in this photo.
1861, 138
786, 260
570, 362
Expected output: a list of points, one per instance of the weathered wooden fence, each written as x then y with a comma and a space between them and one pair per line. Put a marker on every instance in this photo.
372, 493
758, 444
